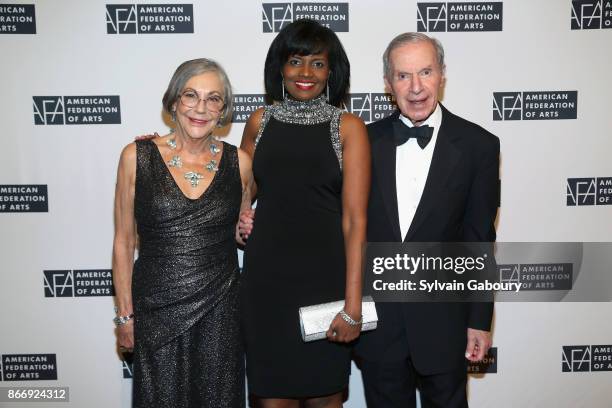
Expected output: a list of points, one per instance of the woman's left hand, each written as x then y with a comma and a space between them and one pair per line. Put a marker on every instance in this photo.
341, 332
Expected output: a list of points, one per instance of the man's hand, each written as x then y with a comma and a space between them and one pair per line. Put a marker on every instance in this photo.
478, 343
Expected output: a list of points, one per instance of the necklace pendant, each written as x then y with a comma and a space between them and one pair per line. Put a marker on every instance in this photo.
212, 166
171, 143
214, 149
194, 178
175, 162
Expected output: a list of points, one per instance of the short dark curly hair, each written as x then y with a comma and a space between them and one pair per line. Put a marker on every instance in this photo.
307, 37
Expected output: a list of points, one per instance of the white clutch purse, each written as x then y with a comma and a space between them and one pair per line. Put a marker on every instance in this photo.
315, 319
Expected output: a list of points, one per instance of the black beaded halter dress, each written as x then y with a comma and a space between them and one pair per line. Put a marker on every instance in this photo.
295, 255
188, 349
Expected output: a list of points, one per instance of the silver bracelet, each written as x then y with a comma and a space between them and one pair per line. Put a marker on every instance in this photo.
352, 322
121, 320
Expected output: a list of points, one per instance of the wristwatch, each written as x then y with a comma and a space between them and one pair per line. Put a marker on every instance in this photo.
121, 320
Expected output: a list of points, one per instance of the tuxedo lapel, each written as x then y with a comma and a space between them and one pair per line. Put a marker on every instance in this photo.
384, 168
443, 162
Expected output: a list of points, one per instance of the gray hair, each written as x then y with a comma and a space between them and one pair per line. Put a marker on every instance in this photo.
411, 38
189, 69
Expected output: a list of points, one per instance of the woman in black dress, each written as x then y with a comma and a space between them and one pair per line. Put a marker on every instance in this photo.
311, 165
177, 305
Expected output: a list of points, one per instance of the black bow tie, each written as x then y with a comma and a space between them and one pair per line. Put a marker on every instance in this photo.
402, 133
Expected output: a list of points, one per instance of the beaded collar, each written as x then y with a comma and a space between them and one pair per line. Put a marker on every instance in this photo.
306, 113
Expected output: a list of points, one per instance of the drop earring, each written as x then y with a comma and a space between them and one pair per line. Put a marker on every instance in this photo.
283, 86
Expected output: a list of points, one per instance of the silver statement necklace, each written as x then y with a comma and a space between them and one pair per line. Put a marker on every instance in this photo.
193, 176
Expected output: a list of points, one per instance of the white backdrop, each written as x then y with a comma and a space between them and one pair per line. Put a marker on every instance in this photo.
71, 53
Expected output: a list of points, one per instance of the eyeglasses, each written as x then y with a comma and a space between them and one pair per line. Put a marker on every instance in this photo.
214, 103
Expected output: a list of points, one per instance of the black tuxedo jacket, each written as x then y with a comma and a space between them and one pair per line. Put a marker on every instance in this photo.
459, 204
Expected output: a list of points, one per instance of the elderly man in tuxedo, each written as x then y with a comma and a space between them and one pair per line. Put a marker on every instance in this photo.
435, 178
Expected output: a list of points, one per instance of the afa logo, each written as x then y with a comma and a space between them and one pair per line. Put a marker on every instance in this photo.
591, 14
459, 17
77, 110
589, 191
59, 284
149, 18
78, 283
548, 276
17, 19
370, 106
535, 105
275, 16
49, 110
24, 198
582, 359
29, 367
245, 104
127, 365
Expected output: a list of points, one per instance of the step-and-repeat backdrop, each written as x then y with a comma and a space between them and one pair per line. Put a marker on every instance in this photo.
80, 79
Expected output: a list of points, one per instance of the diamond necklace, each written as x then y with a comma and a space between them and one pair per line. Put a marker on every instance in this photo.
193, 176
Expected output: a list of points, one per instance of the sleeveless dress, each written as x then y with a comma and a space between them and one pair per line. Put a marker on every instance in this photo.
185, 288
295, 254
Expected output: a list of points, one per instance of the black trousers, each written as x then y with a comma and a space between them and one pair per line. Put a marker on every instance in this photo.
393, 384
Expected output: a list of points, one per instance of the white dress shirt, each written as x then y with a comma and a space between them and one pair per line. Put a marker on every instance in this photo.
411, 169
